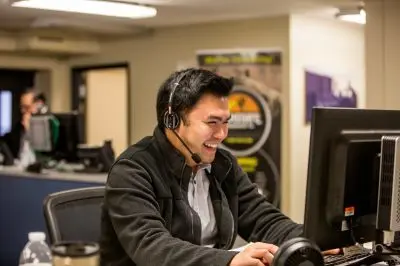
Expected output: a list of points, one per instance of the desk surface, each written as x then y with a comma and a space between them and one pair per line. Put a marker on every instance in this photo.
55, 175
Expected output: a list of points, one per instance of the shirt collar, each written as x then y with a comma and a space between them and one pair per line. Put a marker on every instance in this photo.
206, 167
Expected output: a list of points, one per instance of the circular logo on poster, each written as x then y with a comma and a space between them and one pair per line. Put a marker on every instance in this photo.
250, 123
263, 171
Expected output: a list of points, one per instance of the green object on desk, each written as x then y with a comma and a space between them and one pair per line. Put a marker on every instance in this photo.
55, 129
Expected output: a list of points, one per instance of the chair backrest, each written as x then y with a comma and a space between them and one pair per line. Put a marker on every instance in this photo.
74, 215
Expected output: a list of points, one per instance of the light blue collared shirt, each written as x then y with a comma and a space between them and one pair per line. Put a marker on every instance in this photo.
200, 200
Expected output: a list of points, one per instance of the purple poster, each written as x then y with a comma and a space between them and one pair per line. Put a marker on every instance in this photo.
327, 91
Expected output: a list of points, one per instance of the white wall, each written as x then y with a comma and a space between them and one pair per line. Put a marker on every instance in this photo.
331, 47
42, 83
382, 37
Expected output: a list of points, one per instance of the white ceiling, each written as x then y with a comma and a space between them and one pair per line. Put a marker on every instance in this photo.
169, 12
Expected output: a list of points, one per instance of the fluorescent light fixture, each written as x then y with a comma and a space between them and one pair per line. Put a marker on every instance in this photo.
358, 16
94, 7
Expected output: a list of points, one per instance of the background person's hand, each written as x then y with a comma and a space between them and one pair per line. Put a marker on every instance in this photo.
26, 119
256, 254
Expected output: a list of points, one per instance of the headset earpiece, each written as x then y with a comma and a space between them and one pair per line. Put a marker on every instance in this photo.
171, 120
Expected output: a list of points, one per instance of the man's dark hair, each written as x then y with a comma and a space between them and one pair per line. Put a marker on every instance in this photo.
40, 97
27, 90
194, 83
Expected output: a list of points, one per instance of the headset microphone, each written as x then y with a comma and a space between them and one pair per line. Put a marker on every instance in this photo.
195, 157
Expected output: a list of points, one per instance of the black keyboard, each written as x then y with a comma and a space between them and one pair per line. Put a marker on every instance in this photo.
350, 259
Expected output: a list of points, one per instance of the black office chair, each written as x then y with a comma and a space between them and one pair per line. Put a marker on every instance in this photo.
6, 156
74, 215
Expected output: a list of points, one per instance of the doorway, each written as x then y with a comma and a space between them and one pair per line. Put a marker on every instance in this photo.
102, 95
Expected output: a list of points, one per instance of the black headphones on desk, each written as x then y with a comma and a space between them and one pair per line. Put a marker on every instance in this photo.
298, 251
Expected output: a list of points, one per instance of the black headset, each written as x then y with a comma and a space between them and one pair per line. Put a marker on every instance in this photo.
298, 251
171, 118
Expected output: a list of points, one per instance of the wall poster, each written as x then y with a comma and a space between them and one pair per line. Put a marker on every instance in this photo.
255, 127
325, 90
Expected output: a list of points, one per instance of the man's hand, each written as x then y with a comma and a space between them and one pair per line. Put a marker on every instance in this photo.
257, 254
331, 252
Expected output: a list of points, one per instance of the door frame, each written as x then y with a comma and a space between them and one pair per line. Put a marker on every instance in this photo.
76, 72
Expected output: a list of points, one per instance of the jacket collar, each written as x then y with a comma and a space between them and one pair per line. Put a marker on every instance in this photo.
220, 167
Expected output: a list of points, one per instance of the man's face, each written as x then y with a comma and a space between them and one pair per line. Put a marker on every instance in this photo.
206, 126
27, 104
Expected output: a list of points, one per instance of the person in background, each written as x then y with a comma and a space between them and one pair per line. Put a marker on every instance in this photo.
41, 104
176, 198
17, 139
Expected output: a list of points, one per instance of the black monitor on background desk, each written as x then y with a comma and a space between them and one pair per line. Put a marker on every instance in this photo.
57, 139
343, 174
71, 134
41, 133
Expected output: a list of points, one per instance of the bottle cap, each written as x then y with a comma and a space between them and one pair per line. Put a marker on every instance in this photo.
36, 236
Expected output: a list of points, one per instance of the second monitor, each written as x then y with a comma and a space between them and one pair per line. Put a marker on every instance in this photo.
344, 174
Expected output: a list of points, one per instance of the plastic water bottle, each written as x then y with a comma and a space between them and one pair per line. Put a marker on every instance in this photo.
36, 252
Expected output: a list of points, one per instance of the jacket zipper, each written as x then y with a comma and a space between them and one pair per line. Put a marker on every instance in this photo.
230, 239
191, 218
191, 212
232, 230
189, 209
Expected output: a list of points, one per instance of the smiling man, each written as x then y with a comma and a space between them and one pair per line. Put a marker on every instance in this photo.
175, 198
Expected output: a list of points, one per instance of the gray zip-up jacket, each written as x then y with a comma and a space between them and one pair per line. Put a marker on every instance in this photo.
147, 220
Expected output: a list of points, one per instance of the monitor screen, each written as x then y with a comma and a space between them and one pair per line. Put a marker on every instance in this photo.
343, 174
5, 112
71, 133
39, 134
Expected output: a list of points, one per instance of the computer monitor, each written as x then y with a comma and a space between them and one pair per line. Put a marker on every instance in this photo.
343, 174
40, 133
96, 159
71, 133
5, 111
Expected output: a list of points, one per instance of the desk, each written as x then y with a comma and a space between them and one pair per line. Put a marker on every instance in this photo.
21, 198
21, 201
